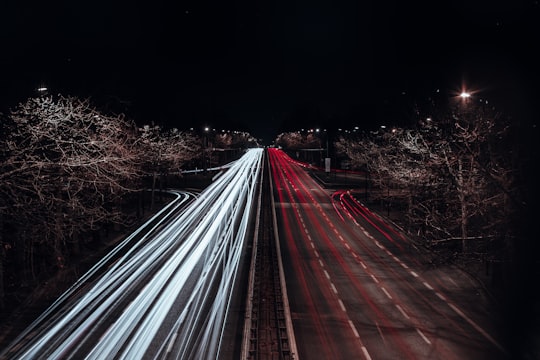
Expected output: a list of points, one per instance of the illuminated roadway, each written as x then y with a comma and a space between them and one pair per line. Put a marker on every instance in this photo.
357, 289
165, 290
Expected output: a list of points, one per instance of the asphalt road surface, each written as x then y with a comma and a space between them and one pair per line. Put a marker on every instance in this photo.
358, 289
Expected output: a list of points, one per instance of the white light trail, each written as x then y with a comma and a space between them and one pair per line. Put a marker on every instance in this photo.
175, 283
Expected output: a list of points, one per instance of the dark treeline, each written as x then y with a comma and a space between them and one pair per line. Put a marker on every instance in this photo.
458, 176
69, 173
462, 181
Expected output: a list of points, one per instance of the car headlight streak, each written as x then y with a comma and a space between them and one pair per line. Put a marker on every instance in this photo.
168, 296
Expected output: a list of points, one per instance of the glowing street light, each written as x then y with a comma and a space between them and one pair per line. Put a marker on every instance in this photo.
465, 95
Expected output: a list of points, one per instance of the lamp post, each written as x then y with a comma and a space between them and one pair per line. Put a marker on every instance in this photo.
205, 149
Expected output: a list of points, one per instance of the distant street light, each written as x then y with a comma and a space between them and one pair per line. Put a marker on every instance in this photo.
42, 89
465, 95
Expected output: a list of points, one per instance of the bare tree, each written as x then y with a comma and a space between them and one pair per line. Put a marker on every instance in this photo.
298, 140
463, 152
163, 151
302, 143
454, 171
65, 168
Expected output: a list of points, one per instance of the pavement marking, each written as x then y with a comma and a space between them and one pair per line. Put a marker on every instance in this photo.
440, 296
326, 273
342, 305
374, 278
402, 311
354, 329
386, 292
428, 286
333, 288
423, 336
478, 328
366, 354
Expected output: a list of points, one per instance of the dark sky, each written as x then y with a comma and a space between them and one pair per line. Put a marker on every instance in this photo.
270, 66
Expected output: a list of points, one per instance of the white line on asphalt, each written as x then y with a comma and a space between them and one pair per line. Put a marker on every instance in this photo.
402, 311
326, 274
423, 336
366, 354
386, 292
342, 305
354, 329
427, 285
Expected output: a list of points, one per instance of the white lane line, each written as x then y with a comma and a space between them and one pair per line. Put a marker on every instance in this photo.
374, 278
440, 296
363, 265
333, 288
354, 329
321, 263
366, 354
326, 274
316, 253
427, 285
402, 311
414, 274
423, 336
386, 292
342, 306
478, 328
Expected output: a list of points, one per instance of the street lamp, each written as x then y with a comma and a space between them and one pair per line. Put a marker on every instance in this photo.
205, 149
42, 90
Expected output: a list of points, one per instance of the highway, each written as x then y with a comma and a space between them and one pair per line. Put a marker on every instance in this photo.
358, 289
164, 292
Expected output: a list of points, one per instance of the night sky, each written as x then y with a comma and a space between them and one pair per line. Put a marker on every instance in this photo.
271, 66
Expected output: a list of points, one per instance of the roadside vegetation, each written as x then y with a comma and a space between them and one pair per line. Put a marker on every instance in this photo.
459, 178
72, 176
